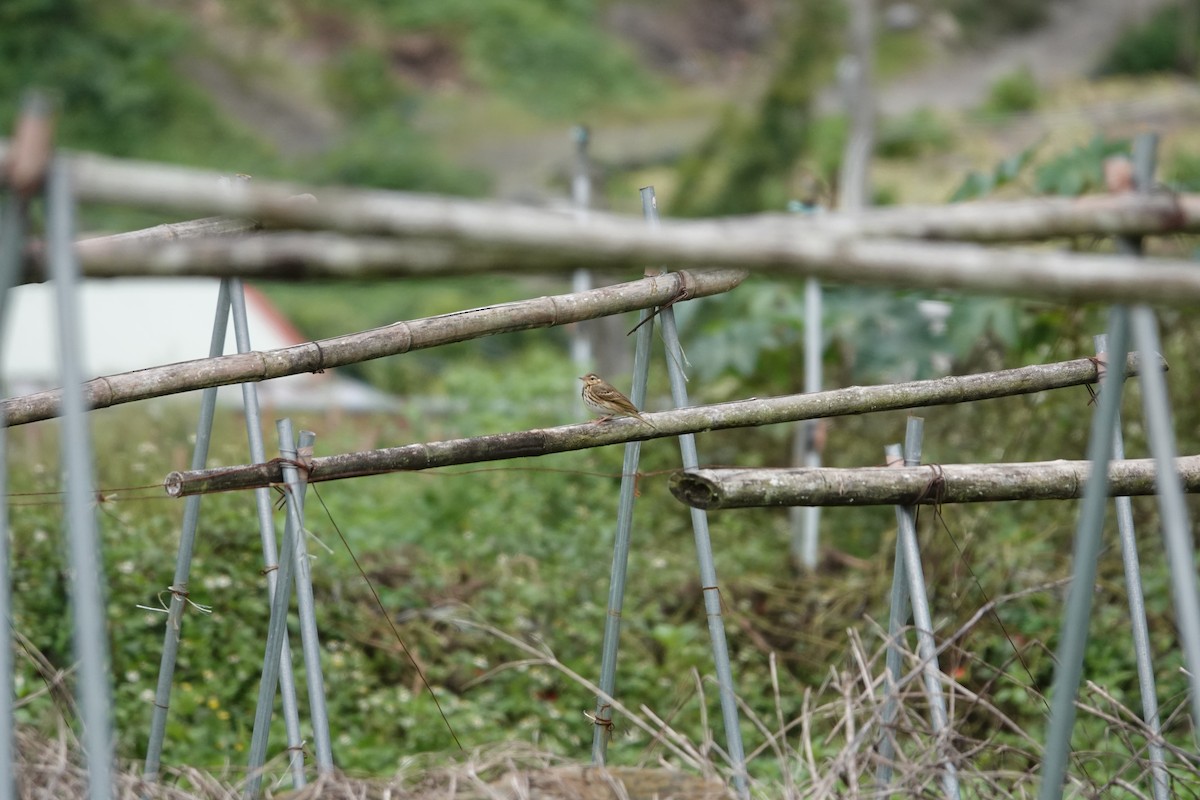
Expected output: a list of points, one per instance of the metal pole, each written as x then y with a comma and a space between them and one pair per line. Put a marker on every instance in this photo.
806, 520
621, 546
1137, 618
310, 642
266, 529
1074, 631
1156, 410
183, 560
581, 279
897, 618
1176, 521
87, 578
922, 618
708, 571
276, 629
12, 230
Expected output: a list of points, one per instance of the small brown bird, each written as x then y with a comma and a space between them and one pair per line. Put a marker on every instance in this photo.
602, 397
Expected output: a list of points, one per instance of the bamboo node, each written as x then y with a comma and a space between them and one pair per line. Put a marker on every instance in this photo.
320, 359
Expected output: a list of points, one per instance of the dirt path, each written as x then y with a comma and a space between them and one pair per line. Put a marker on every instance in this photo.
1069, 46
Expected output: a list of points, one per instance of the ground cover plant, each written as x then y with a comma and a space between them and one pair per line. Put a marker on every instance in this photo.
496, 575
474, 564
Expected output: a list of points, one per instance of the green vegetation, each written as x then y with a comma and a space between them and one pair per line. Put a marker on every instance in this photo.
549, 57
913, 135
1013, 93
1166, 43
114, 73
525, 546
745, 165
983, 19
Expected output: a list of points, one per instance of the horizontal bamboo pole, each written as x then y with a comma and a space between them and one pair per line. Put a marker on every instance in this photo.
929, 485
159, 186
1040, 275
474, 236
399, 337
738, 414
99, 247
1034, 219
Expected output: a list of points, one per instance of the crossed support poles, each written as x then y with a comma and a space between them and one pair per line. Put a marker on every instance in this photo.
282, 568
704, 552
1140, 324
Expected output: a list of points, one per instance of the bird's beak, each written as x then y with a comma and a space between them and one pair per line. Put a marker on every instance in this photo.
583, 377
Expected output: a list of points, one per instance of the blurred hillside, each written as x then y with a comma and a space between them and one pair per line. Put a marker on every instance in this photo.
476, 97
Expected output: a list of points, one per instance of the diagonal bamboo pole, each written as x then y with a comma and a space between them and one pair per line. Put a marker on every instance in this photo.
738, 414
394, 339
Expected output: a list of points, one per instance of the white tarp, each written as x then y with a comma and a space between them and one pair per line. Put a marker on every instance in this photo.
133, 323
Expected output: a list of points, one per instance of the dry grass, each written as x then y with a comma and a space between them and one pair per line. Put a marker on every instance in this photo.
831, 750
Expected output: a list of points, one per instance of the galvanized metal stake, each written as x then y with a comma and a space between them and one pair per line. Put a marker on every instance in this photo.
12, 235
1176, 521
806, 520
1074, 631
86, 564
922, 618
581, 279
1137, 618
276, 628
266, 529
897, 618
183, 560
310, 642
621, 546
708, 571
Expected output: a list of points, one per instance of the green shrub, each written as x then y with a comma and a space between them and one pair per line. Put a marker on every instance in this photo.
1079, 170
912, 135
1152, 47
1013, 93
551, 57
1183, 172
382, 152
986, 18
359, 82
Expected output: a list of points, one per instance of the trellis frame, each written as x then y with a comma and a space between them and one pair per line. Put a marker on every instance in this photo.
442, 232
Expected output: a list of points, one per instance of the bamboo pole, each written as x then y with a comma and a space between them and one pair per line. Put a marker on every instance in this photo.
399, 337
455, 236
738, 414
548, 243
104, 179
928, 485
